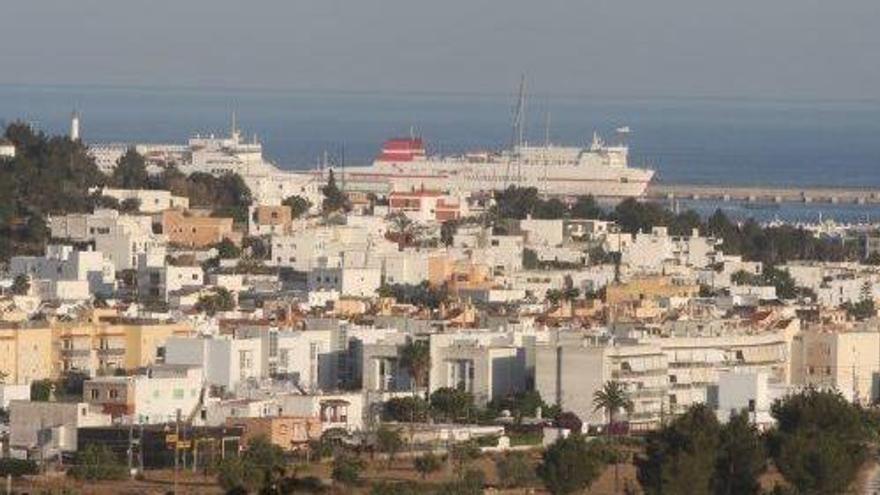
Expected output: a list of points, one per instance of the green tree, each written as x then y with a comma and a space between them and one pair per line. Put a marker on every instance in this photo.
262, 464
49, 175
448, 230
347, 468
552, 209
21, 285
569, 421
781, 280
634, 216
298, 205
334, 198
130, 206
220, 300
17, 467
585, 207
613, 398
522, 404
741, 458
415, 358
569, 465
234, 473
405, 410
389, 441
685, 223
96, 463
257, 248
680, 458
515, 202
819, 442
514, 470
451, 404
401, 229
462, 454
130, 171
41, 390
427, 463
227, 250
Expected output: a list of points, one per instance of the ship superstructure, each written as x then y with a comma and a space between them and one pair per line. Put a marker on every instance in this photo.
599, 169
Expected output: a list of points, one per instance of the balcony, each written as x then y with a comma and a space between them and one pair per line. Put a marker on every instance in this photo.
75, 353
111, 351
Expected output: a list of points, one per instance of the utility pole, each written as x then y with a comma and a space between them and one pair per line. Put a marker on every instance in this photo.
176, 450
130, 446
141, 447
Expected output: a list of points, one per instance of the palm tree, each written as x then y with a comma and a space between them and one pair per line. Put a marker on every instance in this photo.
612, 398
415, 357
401, 228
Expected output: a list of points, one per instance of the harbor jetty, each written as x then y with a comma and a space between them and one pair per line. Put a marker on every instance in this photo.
764, 194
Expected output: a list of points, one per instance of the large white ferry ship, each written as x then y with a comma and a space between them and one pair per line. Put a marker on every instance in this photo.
599, 169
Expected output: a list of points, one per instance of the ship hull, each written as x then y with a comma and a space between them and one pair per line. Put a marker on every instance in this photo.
606, 182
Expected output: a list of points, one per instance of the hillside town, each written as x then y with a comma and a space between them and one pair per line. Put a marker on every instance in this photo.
159, 319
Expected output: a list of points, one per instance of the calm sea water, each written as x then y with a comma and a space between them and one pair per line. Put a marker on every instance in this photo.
696, 141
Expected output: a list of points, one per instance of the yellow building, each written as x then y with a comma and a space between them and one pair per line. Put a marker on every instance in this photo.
640, 289
837, 358
198, 231
108, 345
25, 354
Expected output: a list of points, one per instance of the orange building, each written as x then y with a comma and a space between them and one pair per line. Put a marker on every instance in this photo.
271, 220
655, 287
198, 231
288, 432
427, 205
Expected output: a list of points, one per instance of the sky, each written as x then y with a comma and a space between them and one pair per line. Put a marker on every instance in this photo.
776, 49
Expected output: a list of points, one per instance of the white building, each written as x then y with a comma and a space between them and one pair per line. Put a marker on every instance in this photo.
326, 245
347, 411
649, 252
489, 366
752, 393
7, 149
120, 237
346, 280
157, 396
226, 362
569, 373
157, 279
150, 200
50, 427
67, 274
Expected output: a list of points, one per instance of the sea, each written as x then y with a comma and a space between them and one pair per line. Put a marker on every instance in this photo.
734, 141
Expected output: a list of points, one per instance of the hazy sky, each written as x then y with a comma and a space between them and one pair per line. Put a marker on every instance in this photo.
751, 48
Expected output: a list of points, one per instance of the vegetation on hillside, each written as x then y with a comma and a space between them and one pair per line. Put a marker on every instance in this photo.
771, 245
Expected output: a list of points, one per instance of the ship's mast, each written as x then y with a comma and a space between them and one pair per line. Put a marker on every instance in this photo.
547, 131
518, 129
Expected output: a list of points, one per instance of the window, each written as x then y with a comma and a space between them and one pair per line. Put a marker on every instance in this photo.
94, 394
178, 393
113, 394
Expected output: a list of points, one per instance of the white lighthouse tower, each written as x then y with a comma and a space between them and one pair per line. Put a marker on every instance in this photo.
74, 126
